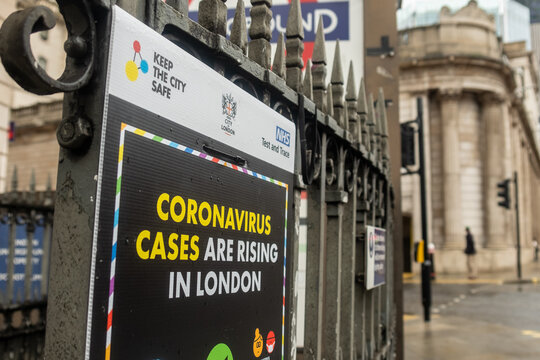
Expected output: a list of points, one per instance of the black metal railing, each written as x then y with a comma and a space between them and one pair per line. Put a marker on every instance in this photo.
343, 161
25, 237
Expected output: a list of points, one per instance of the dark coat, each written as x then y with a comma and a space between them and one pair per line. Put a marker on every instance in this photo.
469, 249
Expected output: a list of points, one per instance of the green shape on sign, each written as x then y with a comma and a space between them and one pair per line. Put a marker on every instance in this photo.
220, 352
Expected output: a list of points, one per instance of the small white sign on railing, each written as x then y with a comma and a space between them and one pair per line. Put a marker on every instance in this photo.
375, 257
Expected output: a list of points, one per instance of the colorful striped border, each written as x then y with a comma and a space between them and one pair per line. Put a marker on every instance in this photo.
128, 128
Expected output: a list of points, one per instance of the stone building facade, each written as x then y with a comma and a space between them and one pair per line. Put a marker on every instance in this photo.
35, 147
481, 122
47, 48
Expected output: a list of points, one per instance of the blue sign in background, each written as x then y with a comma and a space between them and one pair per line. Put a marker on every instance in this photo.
20, 261
335, 17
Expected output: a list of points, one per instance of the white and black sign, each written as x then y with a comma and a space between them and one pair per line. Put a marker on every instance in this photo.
375, 257
194, 198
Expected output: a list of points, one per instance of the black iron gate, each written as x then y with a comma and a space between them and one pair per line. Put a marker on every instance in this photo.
343, 161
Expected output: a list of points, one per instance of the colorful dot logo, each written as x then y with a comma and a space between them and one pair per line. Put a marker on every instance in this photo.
132, 69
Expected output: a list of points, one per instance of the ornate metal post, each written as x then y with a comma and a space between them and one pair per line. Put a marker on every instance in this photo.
316, 255
348, 259
335, 198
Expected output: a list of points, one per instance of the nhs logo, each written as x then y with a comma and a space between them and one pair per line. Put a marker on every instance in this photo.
283, 136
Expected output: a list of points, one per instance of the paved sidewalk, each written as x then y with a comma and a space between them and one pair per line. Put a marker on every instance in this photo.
530, 274
486, 318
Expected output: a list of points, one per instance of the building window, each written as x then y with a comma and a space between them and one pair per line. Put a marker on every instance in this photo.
44, 35
42, 62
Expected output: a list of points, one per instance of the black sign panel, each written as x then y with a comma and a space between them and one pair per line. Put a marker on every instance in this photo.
190, 260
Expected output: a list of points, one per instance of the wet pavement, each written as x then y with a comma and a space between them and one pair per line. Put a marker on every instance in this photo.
489, 318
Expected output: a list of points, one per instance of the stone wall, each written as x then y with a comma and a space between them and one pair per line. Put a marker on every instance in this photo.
479, 116
35, 146
50, 49
437, 202
471, 142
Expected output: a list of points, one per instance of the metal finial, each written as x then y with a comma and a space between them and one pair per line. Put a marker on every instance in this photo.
295, 46
351, 112
260, 33
213, 16
346, 116
319, 68
239, 27
14, 179
319, 48
307, 87
337, 71
371, 125
295, 25
381, 102
278, 66
351, 90
330, 100
337, 88
362, 102
362, 108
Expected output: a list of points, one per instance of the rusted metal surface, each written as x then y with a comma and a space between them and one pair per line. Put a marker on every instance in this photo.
16, 51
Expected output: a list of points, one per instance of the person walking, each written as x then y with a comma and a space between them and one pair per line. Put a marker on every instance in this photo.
470, 251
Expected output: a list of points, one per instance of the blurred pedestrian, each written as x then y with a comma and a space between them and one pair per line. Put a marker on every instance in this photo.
535, 245
470, 251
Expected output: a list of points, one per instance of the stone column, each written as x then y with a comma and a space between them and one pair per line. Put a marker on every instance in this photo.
453, 225
493, 110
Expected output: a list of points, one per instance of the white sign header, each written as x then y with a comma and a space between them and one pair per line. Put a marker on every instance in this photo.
150, 71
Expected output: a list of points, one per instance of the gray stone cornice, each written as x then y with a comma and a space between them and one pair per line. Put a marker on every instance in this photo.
450, 93
492, 98
447, 63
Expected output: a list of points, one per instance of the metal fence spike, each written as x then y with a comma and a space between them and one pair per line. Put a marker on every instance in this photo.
337, 71
260, 33
213, 16
278, 66
239, 27
371, 125
295, 46
318, 70
338, 89
319, 48
295, 24
307, 87
351, 108
362, 102
362, 109
346, 116
381, 102
330, 101
351, 86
